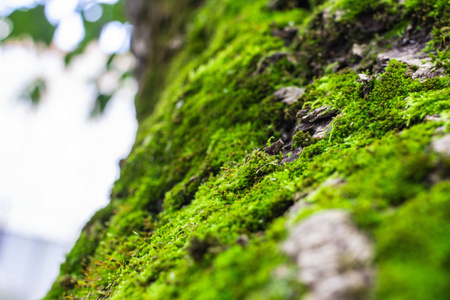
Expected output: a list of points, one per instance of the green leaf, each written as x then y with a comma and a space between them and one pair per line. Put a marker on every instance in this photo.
114, 12
32, 23
34, 91
100, 104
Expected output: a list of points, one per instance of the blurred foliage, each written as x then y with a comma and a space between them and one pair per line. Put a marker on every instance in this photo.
111, 12
32, 22
100, 104
34, 91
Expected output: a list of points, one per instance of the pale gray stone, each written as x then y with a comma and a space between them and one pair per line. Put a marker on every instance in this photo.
434, 118
317, 122
320, 114
412, 56
289, 95
322, 129
333, 257
442, 146
365, 78
359, 50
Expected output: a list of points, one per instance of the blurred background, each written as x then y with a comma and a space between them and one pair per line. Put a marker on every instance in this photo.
67, 118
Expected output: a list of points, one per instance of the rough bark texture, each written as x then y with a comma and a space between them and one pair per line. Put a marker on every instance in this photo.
318, 125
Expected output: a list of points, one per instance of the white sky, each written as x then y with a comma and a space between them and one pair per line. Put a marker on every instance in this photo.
56, 165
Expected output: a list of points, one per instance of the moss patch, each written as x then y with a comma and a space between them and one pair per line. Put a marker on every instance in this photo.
197, 181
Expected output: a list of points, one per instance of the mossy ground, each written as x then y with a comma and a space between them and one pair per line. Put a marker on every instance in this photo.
197, 184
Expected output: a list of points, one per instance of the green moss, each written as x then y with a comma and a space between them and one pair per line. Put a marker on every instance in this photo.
416, 262
303, 139
197, 180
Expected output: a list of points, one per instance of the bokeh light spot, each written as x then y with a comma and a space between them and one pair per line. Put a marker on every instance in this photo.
56, 10
114, 37
69, 32
93, 12
6, 27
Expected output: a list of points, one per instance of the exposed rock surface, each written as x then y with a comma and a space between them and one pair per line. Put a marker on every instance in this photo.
413, 56
442, 145
275, 148
315, 123
433, 118
318, 121
291, 154
289, 95
365, 78
334, 258
359, 50
287, 34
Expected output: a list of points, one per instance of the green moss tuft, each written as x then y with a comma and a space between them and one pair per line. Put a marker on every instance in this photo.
200, 210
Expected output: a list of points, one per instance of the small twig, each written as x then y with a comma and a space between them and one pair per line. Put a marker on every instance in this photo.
271, 163
142, 240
